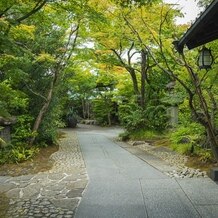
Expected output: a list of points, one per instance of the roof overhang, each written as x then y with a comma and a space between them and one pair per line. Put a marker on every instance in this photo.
204, 30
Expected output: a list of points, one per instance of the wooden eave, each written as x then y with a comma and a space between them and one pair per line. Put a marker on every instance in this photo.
202, 31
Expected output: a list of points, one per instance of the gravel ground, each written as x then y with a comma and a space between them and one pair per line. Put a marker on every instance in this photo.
172, 158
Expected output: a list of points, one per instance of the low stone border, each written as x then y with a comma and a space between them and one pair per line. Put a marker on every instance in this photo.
173, 159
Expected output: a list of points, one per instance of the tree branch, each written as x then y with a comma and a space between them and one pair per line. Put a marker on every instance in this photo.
128, 53
3, 12
37, 7
35, 93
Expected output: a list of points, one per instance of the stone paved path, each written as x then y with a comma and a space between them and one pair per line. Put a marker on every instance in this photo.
55, 193
120, 184
124, 186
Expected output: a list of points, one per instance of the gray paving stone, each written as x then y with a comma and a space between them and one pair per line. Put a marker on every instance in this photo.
69, 204
68, 216
13, 193
4, 179
200, 191
56, 176
76, 185
6, 187
56, 187
30, 192
162, 203
40, 177
210, 211
75, 193
73, 177
168, 184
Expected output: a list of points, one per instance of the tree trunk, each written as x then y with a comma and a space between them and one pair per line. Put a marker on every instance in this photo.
143, 75
208, 124
42, 111
213, 106
84, 108
88, 109
109, 118
206, 119
134, 81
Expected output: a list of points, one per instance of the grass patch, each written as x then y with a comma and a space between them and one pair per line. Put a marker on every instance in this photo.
185, 149
141, 134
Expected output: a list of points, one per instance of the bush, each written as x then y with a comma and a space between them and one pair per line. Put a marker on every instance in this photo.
141, 134
185, 139
17, 154
183, 148
157, 118
144, 134
104, 110
190, 134
204, 154
21, 131
132, 117
20, 154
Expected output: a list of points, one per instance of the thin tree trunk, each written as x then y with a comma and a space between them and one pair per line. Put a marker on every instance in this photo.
84, 108
130, 69
143, 75
213, 106
109, 118
88, 109
206, 121
43, 110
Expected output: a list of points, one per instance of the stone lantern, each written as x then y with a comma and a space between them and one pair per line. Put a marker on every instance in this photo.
5, 130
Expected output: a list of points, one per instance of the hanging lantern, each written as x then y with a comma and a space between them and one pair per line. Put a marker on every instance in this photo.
205, 59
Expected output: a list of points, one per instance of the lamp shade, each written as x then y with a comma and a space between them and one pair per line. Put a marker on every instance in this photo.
205, 59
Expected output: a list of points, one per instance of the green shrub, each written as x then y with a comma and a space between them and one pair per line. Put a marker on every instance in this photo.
104, 110
17, 154
183, 148
143, 134
21, 131
135, 117
157, 118
140, 134
185, 139
204, 154
191, 133
132, 117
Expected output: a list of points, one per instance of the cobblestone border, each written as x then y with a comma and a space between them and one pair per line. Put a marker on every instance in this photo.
172, 159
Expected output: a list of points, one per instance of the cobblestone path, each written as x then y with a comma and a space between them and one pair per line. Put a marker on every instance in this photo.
55, 193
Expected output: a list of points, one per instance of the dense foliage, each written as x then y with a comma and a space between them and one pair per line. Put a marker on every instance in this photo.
109, 61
